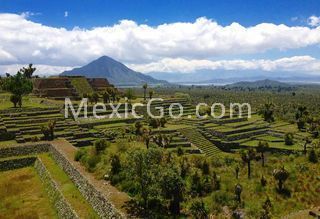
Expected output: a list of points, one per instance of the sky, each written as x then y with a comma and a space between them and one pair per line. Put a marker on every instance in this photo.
162, 36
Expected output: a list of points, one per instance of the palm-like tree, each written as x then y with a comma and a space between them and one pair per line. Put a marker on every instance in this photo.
263, 146
238, 191
145, 86
247, 157
307, 141
281, 175
267, 112
151, 93
28, 71
162, 140
146, 137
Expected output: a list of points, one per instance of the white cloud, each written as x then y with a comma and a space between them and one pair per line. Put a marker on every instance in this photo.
66, 14
24, 41
314, 21
43, 70
296, 63
27, 14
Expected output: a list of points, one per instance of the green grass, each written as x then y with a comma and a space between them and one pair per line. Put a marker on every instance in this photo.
7, 143
22, 195
68, 189
27, 102
280, 145
81, 85
304, 187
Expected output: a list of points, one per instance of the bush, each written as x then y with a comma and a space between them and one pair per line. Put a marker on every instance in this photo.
6, 136
100, 145
288, 139
92, 162
313, 157
79, 154
35, 139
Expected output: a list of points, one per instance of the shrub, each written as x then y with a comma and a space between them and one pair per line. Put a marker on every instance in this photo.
313, 157
6, 136
180, 151
154, 123
79, 154
100, 145
115, 164
198, 209
288, 139
92, 162
35, 139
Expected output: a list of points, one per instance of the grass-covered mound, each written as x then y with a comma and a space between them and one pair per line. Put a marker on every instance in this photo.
22, 195
81, 85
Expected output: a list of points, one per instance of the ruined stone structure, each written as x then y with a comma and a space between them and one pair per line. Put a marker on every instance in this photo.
99, 84
61, 87
55, 87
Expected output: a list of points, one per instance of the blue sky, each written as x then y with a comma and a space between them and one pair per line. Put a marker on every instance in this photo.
87, 14
165, 36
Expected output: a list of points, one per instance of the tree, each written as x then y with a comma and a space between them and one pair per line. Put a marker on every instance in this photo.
247, 157
113, 93
154, 123
172, 186
48, 130
266, 208
307, 141
162, 140
138, 125
100, 145
129, 94
199, 210
237, 169
95, 97
151, 93
51, 126
205, 167
145, 86
144, 170
267, 112
163, 122
15, 99
106, 97
301, 117
238, 191
263, 146
313, 157
18, 85
115, 164
27, 72
288, 138
263, 181
281, 175
146, 137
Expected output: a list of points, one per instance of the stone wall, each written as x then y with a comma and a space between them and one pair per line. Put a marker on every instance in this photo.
62, 207
103, 207
99, 202
16, 163
24, 150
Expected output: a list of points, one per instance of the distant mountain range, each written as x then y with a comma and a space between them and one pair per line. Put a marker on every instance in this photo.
233, 76
116, 73
259, 84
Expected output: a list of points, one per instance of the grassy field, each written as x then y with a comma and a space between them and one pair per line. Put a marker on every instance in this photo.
302, 187
27, 102
23, 196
